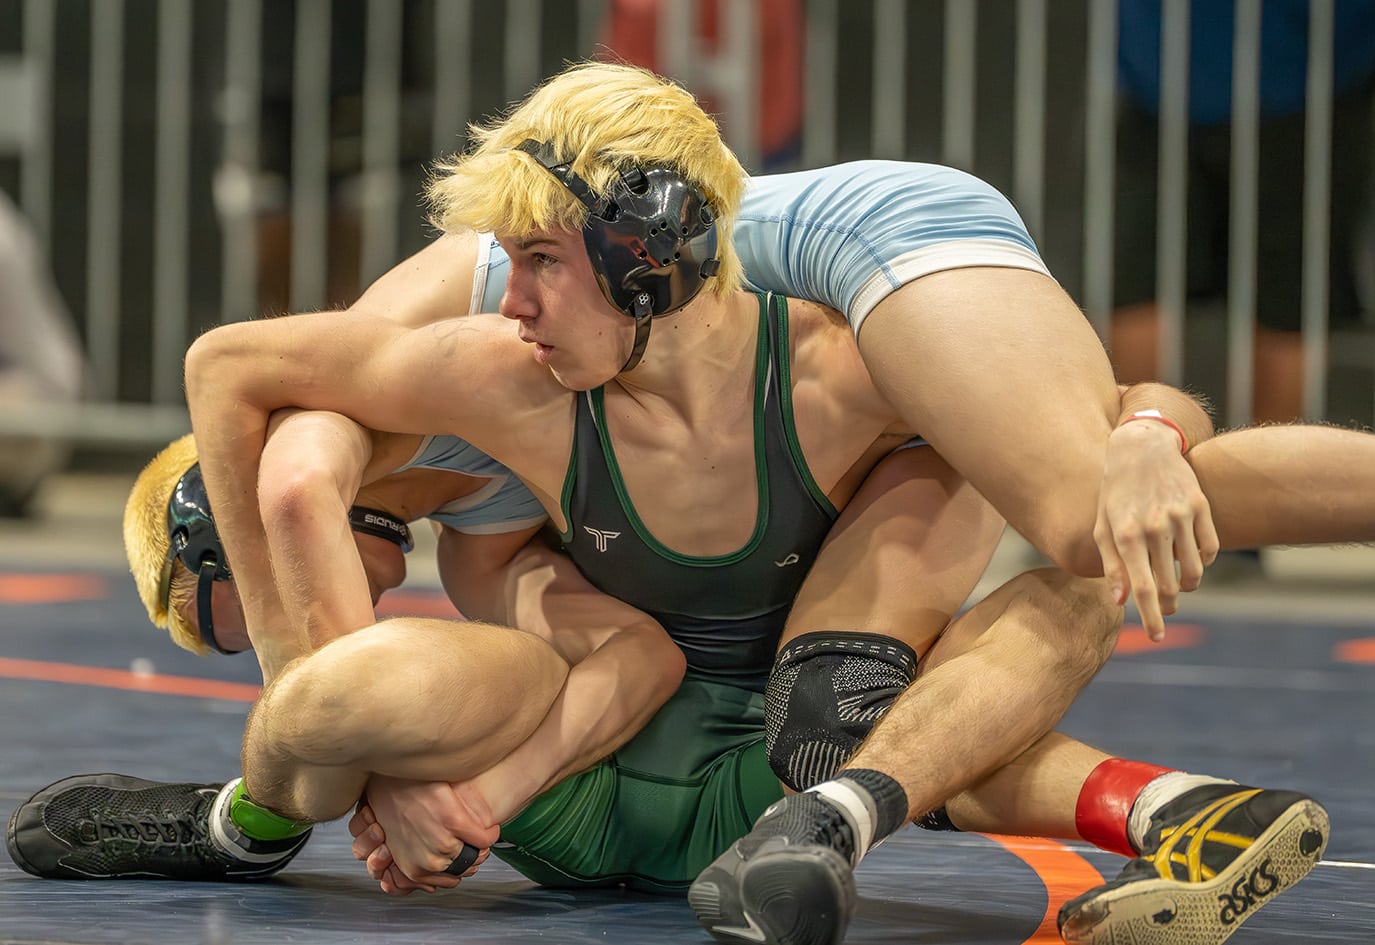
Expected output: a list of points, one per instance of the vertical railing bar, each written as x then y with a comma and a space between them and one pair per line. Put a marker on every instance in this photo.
590, 15
104, 183
1100, 156
35, 185
310, 112
453, 93
236, 181
1317, 193
381, 139
674, 46
1241, 250
171, 191
523, 30
738, 80
1029, 115
1171, 236
957, 124
819, 76
888, 134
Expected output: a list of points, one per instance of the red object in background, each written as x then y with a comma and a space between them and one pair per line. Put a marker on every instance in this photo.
631, 35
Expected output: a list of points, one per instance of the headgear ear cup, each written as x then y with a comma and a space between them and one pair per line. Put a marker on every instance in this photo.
652, 240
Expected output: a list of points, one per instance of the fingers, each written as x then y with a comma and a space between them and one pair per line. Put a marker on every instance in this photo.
1205, 533
362, 819
378, 862
396, 883
1114, 568
366, 842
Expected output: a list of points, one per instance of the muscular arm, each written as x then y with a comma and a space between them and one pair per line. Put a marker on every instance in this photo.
312, 466
452, 376
623, 665
1152, 510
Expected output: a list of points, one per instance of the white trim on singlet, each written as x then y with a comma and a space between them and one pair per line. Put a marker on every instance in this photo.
939, 257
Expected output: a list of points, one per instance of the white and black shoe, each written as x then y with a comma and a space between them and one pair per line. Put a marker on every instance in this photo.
110, 826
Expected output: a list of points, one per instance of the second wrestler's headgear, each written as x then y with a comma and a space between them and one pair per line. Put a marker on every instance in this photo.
651, 239
193, 539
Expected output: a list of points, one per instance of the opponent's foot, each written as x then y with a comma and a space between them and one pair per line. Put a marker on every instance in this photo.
1213, 856
789, 881
109, 826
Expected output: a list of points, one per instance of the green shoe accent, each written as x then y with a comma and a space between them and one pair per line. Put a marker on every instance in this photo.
259, 823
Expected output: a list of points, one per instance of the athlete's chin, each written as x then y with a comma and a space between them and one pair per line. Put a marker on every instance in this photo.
577, 380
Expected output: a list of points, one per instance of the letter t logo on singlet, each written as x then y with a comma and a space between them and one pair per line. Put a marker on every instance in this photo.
600, 537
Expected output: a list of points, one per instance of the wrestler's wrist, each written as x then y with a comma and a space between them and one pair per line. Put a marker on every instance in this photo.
1156, 420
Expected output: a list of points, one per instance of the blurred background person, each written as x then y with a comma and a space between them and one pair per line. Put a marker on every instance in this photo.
41, 363
1134, 343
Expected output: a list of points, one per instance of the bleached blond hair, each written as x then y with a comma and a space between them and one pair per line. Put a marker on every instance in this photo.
146, 542
602, 118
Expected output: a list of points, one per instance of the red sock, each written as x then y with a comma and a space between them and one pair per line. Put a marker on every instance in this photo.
1106, 799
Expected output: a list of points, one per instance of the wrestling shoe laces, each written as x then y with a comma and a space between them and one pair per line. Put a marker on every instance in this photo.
789, 881
1211, 858
110, 826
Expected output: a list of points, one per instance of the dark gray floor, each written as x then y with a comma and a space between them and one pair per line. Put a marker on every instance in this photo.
1272, 703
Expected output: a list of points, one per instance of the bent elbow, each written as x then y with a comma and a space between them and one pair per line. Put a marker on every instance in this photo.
209, 361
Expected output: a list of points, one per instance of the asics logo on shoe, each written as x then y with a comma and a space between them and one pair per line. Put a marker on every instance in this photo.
600, 537
1247, 892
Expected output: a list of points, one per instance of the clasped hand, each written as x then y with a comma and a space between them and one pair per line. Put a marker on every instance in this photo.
408, 832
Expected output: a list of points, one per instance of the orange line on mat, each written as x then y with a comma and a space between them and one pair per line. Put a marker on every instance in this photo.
1065, 873
125, 679
1355, 651
50, 588
1133, 639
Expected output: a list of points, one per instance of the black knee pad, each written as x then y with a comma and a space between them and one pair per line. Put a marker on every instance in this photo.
825, 693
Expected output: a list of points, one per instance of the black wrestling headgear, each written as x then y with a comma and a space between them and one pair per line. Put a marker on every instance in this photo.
192, 538
652, 239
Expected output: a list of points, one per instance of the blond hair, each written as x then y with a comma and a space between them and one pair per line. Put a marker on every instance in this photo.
602, 118
146, 543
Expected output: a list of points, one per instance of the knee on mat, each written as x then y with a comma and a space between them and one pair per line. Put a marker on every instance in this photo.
826, 692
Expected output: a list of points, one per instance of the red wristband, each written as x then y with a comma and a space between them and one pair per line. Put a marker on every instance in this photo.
1159, 417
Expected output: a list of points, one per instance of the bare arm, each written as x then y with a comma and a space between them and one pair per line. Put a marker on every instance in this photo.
452, 376
312, 466
1151, 508
623, 665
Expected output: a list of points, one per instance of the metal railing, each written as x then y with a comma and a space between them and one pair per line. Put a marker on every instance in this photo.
161, 158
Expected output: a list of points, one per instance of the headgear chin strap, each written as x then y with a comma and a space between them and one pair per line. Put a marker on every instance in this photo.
192, 538
652, 239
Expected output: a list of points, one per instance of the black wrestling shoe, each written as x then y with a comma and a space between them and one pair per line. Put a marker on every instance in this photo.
789, 881
108, 826
1213, 856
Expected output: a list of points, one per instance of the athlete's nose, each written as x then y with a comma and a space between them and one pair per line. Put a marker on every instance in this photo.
516, 303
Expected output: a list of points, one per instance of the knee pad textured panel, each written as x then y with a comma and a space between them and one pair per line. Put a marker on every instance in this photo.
826, 691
